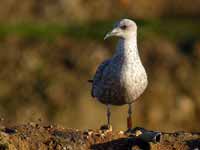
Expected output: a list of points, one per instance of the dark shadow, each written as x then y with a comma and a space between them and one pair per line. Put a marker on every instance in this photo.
10, 130
122, 144
193, 144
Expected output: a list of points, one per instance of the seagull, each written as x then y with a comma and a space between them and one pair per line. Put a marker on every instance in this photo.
121, 79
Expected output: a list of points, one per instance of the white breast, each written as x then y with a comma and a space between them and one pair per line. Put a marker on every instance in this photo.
134, 80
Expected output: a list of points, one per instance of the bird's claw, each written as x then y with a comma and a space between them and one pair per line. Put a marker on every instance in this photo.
106, 127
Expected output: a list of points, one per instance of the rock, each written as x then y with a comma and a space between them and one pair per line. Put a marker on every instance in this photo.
53, 137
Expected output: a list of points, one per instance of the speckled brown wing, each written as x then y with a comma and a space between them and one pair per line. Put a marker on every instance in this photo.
109, 89
98, 76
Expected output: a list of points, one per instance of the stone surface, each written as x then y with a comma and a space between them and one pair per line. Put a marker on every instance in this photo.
36, 136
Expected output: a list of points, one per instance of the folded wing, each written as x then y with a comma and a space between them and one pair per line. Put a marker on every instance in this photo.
98, 77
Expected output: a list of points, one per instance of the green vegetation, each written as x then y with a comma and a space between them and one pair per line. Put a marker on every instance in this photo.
171, 28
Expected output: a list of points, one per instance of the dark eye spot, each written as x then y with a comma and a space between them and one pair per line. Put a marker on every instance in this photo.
123, 27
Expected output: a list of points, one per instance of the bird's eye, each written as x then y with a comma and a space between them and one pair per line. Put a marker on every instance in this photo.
123, 27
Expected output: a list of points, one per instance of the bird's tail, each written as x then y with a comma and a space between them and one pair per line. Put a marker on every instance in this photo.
90, 81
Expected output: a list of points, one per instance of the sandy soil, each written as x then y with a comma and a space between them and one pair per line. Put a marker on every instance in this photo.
40, 137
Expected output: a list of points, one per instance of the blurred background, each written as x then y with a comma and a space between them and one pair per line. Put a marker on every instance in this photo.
49, 49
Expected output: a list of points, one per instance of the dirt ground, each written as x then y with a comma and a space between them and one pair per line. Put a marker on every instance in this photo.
39, 137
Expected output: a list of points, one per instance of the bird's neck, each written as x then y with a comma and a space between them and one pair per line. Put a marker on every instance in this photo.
128, 48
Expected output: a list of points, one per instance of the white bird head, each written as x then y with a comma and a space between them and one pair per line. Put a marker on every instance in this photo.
125, 28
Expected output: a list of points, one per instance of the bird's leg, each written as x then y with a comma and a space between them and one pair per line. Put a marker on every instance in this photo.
108, 115
107, 127
129, 119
